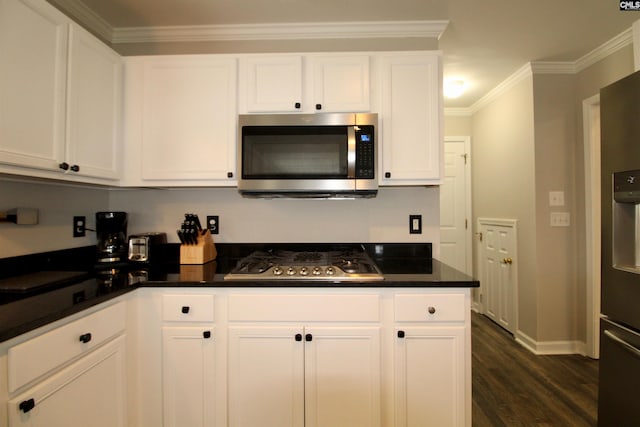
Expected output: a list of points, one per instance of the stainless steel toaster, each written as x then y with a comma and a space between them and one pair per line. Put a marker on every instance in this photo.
145, 246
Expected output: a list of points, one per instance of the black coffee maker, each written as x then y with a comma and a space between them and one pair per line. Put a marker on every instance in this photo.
111, 231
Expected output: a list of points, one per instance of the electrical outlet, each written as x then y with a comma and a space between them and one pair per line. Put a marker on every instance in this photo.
560, 219
213, 224
79, 226
415, 224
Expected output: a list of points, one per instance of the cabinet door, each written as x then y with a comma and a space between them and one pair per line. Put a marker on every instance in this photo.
94, 106
90, 392
342, 376
33, 54
430, 376
411, 119
271, 83
341, 83
266, 384
189, 118
188, 373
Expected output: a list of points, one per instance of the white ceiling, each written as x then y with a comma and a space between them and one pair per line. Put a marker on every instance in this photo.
485, 41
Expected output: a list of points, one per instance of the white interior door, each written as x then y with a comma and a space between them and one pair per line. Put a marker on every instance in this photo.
455, 205
498, 271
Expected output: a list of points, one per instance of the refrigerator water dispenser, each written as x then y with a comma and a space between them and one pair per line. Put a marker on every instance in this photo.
626, 221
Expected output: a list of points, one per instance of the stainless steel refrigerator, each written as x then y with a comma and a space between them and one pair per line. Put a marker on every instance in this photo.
618, 399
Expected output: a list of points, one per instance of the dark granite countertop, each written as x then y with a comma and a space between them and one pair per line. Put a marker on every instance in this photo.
403, 265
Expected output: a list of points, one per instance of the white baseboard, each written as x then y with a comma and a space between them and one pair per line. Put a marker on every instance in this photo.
550, 347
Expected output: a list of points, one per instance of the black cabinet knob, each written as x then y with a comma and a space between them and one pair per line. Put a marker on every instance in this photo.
27, 405
85, 338
298, 105
400, 334
206, 335
298, 337
229, 174
185, 309
75, 168
387, 174
308, 337
318, 106
64, 166
431, 310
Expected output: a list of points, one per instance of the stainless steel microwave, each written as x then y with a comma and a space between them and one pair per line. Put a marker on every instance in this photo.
323, 155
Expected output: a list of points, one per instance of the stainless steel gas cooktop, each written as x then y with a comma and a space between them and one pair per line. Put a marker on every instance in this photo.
340, 265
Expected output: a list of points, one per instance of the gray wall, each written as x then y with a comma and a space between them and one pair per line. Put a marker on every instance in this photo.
57, 205
555, 159
504, 182
526, 143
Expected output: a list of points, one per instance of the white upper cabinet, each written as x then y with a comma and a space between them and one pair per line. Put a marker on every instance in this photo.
270, 83
411, 112
94, 106
304, 83
33, 75
61, 88
341, 83
180, 120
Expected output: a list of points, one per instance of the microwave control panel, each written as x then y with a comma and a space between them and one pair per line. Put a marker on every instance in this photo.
365, 152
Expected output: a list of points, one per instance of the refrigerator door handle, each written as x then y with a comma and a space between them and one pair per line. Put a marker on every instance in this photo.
633, 350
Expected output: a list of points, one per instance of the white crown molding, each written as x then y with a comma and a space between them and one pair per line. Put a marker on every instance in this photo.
515, 78
549, 67
457, 112
91, 20
284, 31
612, 46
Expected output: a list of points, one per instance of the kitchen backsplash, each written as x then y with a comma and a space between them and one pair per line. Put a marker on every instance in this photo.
57, 205
382, 219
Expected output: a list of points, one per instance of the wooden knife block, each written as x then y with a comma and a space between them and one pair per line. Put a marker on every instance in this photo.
200, 253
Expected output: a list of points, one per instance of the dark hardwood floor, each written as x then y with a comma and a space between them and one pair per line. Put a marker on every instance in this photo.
514, 387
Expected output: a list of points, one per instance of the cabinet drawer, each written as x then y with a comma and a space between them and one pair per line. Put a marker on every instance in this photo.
304, 308
187, 308
430, 308
33, 358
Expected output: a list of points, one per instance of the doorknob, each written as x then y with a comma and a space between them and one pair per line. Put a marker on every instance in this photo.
507, 261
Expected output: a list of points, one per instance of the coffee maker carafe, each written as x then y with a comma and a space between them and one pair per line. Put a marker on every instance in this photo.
111, 231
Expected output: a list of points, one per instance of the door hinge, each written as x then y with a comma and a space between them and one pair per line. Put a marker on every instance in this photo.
465, 155
466, 223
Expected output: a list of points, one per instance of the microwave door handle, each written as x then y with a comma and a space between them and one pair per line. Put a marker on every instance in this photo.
351, 152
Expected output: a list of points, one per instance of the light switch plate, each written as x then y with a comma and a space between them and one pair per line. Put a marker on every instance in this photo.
556, 198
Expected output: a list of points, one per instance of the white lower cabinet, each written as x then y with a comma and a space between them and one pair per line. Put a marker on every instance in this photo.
432, 360
73, 375
188, 360
304, 376
301, 357
90, 392
266, 376
188, 373
430, 377
342, 376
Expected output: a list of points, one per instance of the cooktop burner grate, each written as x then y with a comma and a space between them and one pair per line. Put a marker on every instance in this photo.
306, 265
